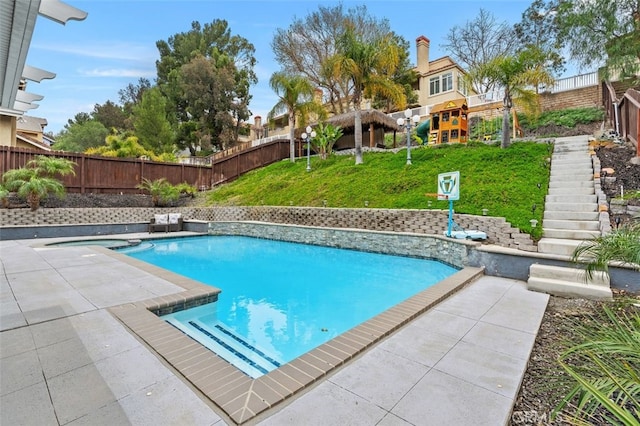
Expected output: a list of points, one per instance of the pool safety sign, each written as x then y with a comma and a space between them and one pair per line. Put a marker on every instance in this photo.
449, 186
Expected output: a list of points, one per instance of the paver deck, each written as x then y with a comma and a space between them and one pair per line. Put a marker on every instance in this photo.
66, 359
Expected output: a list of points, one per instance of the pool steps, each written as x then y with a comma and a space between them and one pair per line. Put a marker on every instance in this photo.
221, 340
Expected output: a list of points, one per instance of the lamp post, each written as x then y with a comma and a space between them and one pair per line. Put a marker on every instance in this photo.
407, 122
310, 134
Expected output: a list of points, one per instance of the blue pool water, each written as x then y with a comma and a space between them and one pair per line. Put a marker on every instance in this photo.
279, 299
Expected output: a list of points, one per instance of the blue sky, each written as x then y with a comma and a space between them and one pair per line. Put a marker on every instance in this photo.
116, 44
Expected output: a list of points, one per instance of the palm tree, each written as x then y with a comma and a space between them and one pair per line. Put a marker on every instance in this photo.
296, 99
519, 76
36, 180
366, 64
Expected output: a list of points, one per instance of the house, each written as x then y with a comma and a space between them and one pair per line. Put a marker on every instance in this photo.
17, 22
440, 80
30, 133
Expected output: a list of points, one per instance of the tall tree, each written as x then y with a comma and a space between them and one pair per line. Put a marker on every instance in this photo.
401, 73
205, 86
602, 32
78, 136
305, 46
365, 64
516, 75
229, 54
110, 115
130, 96
538, 29
151, 124
478, 42
296, 99
132, 93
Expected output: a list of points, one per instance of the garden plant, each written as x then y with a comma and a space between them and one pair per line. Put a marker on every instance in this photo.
37, 179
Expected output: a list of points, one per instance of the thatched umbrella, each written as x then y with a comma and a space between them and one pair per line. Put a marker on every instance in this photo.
372, 118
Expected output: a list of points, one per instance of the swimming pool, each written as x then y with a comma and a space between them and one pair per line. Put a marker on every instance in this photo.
279, 299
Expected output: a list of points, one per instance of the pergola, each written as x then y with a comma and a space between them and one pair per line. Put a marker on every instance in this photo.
17, 21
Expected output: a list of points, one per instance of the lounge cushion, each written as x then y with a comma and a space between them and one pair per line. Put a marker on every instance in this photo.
174, 218
161, 219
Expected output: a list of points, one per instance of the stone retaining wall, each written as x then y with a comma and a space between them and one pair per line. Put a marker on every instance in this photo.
619, 206
434, 222
453, 252
606, 207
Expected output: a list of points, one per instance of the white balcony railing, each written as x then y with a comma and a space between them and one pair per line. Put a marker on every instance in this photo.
573, 82
421, 111
257, 142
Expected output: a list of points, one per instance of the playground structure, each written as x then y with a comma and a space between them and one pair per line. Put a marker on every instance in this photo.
449, 122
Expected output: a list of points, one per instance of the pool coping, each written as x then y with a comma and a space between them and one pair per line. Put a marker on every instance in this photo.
240, 397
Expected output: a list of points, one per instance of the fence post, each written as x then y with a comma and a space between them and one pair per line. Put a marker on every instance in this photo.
83, 174
637, 132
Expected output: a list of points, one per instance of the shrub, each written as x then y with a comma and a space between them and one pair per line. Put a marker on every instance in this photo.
621, 245
570, 118
162, 192
36, 180
603, 360
326, 137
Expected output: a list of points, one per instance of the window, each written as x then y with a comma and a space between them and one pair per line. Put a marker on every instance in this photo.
434, 85
462, 85
441, 83
447, 82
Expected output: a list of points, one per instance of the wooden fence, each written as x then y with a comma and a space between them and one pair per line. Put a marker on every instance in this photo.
95, 174
623, 113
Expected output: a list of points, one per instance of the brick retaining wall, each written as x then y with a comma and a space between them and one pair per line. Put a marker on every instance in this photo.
498, 230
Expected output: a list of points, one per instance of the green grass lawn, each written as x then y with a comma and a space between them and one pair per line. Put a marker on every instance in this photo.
507, 182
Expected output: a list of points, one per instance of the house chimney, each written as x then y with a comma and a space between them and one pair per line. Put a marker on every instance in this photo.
257, 122
422, 46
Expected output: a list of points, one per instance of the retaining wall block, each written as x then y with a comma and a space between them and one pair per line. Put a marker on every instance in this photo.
433, 222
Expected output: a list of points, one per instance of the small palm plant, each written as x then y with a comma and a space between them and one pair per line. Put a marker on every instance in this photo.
36, 180
326, 136
161, 191
621, 245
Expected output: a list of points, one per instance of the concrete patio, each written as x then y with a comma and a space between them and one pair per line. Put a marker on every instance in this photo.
65, 360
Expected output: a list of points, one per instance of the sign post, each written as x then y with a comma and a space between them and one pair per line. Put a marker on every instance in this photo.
449, 189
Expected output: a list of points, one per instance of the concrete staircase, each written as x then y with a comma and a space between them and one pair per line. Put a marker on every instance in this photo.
570, 217
568, 282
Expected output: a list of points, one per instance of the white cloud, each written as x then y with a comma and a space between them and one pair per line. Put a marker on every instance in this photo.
119, 72
112, 50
